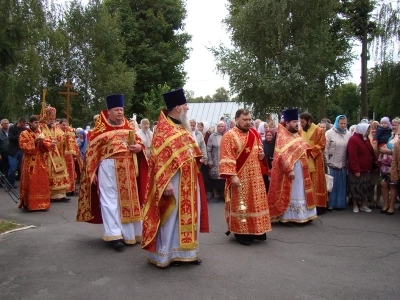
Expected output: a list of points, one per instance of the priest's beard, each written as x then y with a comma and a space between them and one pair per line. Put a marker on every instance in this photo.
185, 120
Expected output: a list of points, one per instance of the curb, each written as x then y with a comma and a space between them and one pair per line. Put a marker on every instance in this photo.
18, 229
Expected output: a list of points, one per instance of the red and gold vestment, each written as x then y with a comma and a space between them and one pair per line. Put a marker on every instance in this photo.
239, 156
315, 138
111, 142
58, 174
34, 188
173, 150
289, 148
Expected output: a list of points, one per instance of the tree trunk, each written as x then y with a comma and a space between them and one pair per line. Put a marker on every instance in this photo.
364, 76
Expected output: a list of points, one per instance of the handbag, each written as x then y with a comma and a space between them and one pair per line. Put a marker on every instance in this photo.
329, 181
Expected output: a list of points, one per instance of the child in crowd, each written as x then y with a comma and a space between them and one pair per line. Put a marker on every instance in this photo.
383, 132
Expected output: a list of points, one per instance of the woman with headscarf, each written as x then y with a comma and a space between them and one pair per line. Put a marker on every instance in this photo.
389, 184
82, 142
336, 159
261, 130
204, 128
374, 176
213, 153
269, 148
360, 160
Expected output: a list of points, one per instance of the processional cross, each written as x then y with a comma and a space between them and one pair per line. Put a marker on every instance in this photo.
68, 93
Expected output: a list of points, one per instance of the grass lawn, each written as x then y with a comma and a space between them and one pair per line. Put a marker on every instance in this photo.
7, 225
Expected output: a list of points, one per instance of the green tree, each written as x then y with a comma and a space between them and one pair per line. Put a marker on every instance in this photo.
284, 53
22, 29
384, 89
221, 95
85, 45
155, 43
360, 22
345, 100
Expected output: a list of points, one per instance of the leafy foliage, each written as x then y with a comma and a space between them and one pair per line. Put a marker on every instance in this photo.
136, 48
384, 89
155, 45
285, 53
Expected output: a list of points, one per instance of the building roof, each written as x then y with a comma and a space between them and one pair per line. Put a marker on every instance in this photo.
212, 112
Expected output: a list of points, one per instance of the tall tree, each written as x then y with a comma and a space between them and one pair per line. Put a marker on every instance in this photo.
284, 53
22, 29
153, 32
221, 95
384, 89
363, 28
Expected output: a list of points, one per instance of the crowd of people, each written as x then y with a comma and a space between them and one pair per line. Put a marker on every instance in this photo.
153, 185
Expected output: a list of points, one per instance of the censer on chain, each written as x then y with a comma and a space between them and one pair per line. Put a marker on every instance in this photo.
242, 207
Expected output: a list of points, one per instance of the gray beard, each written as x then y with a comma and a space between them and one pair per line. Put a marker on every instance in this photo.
185, 121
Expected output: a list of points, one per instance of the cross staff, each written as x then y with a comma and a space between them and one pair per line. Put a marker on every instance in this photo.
68, 93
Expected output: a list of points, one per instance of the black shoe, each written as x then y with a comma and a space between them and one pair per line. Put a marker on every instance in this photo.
196, 262
286, 224
330, 209
321, 211
259, 237
117, 244
176, 264
384, 211
70, 194
390, 213
243, 239
65, 199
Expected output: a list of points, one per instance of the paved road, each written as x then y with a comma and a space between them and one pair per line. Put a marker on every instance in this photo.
341, 255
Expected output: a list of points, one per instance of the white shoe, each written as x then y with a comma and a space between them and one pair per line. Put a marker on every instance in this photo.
365, 209
355, 209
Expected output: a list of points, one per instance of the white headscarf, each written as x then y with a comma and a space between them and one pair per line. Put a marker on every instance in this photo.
206, 127
261, 129
362, 129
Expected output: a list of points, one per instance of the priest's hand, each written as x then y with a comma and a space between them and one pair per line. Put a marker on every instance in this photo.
169, 190
235, 181
291, 175
136, 148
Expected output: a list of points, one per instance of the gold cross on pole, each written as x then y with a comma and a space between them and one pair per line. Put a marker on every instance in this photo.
68, 93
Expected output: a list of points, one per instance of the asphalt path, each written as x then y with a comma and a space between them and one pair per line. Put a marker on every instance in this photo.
341, 255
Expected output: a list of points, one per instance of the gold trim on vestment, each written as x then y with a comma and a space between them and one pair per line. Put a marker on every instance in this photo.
112, 238
297, 220
169, 210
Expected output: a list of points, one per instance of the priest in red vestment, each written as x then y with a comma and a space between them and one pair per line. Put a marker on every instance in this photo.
315, 138
174, 212
291, 195
34, 188
58, 174
113, 178
71, 154
246, 204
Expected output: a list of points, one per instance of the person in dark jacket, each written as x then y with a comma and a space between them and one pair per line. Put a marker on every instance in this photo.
14, 151
360, 156
4, 146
